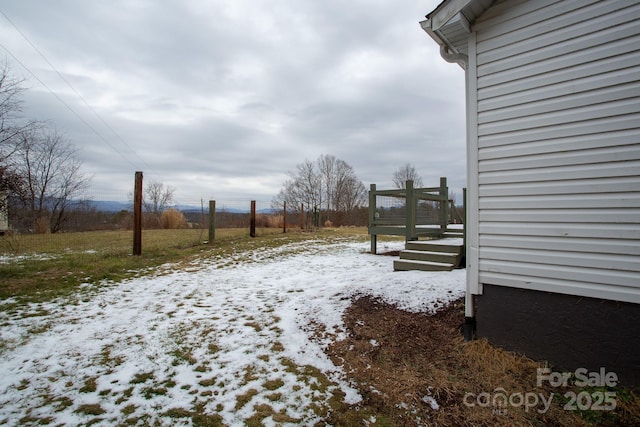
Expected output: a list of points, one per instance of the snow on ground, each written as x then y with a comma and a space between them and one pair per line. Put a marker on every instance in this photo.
222, 336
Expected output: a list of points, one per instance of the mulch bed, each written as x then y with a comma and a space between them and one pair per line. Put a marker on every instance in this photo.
413, 369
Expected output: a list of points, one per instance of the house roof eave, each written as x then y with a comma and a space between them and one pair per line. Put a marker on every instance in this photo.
445, 11
453, 17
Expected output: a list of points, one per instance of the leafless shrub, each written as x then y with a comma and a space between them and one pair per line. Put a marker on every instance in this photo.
173, 219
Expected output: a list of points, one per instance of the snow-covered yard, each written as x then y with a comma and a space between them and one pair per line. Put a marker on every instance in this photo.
231, 338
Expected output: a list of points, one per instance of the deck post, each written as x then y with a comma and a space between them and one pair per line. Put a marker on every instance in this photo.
372, 217
444, 205
410, 232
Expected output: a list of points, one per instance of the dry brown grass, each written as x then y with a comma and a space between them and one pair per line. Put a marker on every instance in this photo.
400, 360
173, 219
269, 221
42, 225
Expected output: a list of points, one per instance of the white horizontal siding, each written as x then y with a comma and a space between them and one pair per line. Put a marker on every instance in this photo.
628, 168
538, 215
563, 286
525, 44
565, 188
567, 230
558, 101
578, 245
609, 155
563, 201
598, 60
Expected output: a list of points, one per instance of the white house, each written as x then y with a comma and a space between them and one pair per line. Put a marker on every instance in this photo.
553, 166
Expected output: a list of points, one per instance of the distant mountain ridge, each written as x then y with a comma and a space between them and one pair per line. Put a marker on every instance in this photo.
114, 206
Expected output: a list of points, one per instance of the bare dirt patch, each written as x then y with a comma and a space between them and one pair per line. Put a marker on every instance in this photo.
415, 369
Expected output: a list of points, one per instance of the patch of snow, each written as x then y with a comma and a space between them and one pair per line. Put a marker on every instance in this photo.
205, 338
10, 259
432, 402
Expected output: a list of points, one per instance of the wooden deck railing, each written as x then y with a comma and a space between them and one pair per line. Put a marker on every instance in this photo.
410, 212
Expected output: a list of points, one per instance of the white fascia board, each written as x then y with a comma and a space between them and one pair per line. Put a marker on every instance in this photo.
445, 12
426, 26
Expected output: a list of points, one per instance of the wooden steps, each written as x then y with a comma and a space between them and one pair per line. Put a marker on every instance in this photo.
433, 255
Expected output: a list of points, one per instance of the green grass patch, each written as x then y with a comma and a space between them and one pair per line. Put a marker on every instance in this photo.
129, 409
55, 265
264, 411
150, 392
243, 399
141, 378
198, 418
89, 385
208, 382
273, 384
90, 409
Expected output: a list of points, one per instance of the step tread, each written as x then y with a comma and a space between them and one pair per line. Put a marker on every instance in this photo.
416, 251
418, 262
422, 265
433, 247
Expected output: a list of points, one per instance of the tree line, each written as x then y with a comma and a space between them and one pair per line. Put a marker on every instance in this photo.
328, 189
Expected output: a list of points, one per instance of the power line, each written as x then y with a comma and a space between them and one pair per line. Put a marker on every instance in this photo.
77, 93
67, 105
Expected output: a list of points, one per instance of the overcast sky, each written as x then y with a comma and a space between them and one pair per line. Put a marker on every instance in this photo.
220, 99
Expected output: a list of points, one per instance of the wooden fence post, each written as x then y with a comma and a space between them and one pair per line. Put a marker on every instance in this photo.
137, 214
284, 218
252, 227
212, 221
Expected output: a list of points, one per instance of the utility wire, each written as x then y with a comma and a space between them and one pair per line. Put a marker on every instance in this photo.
79, 96
67, 106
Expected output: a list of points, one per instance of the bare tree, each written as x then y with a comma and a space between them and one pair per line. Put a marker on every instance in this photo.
328, 183
326, 168
349, 193
11, 129
157, 198
304, 187
404, 173
51, 172
10, 108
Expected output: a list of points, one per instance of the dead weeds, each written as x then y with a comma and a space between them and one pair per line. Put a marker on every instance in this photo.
415, 369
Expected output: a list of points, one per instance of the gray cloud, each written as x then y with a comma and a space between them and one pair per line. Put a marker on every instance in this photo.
222, 99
